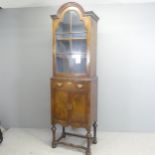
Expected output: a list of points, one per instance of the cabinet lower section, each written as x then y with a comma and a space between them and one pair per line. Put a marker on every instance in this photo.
70, 108
74, 102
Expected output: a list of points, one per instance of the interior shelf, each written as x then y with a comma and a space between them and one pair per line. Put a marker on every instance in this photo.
70, 53
69, 56
71, 39
70, 33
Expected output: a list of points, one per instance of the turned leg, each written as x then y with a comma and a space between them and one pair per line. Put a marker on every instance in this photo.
95, 133
54, 136
88, 152
63, 132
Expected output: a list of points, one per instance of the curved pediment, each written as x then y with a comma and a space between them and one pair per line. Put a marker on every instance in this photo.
74, 6
71, 22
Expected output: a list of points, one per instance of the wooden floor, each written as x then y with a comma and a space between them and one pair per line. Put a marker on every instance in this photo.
37, 142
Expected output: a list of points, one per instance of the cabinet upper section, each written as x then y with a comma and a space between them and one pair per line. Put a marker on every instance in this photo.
74, 41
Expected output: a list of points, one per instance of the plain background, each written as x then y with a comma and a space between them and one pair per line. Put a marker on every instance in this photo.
125, 66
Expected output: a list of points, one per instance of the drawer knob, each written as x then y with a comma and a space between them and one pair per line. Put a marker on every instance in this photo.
59, 84
69, 83
80, 86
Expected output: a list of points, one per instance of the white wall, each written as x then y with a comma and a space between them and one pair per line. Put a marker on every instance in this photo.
25, 67
126, 53
126, 67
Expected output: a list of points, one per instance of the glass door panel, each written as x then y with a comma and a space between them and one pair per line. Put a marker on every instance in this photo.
62, 65
70, 35
64, 26
77, 64
71, 64
77, 24
63, 46
71, 45
79, 35
79, 46
64, 36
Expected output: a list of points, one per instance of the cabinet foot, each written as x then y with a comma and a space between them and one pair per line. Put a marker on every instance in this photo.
54, 136
63, 132
94, 141
95, 133
54, 145
88, 152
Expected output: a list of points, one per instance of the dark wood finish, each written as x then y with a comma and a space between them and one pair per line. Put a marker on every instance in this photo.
63, 132
88, 137
76, 5
54, 136
74, 95
1, 136
88, 152
95, 133
74, 102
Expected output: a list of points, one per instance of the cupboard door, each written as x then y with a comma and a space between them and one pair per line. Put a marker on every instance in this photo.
60, 101
71, 45
79, 102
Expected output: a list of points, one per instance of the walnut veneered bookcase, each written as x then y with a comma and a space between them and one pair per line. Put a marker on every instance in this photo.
74, 81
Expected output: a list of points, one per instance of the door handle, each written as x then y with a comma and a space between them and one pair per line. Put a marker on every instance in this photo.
59, 84
80, 86
69, 83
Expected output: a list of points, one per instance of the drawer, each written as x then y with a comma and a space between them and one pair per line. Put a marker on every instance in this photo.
70, 85
81, 85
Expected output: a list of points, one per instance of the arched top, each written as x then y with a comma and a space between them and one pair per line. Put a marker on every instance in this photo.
74, 5
70, 4
71, 22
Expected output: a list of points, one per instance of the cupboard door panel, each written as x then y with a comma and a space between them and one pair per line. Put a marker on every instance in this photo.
60, 101
79, 101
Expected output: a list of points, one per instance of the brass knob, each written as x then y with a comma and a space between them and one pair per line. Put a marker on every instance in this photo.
59, 84
80, 86
69, 83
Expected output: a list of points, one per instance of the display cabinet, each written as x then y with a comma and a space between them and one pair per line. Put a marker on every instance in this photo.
74, 81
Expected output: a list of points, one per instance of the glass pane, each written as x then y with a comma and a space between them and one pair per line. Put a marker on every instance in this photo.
65, 24
71, 35
71, 23
62, 64
63, 46
79, 35
64, 36
79, 46
77, 24
77, 64
71, 64
71, 44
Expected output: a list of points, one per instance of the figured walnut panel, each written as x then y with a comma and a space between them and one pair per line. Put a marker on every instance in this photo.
80, 107
60, 103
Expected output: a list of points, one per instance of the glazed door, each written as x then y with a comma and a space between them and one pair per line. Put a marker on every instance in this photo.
71, 45
60, 102
79, 102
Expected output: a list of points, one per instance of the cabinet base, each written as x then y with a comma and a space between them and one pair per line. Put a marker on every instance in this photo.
90, 139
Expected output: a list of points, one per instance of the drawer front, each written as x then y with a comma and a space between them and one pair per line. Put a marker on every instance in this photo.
70, 85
